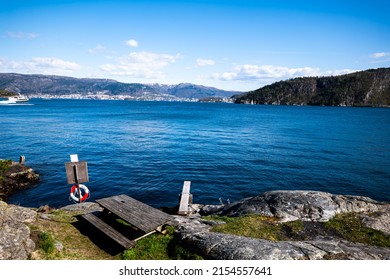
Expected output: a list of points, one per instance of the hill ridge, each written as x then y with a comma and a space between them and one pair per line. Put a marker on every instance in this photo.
52, 86
364, 88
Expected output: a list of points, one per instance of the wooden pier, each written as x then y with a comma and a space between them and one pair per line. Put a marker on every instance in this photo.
185, 199
141, 216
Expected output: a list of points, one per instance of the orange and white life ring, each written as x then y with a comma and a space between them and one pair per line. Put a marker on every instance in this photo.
74, 195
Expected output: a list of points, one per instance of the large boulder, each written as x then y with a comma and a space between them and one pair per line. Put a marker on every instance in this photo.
15, 241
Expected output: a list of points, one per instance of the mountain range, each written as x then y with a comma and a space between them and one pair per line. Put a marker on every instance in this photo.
363, 88
48, 86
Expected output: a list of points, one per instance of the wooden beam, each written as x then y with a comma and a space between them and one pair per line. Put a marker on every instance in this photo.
109, 231
184, 199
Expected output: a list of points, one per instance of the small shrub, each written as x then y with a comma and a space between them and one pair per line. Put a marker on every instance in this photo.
5, 165
158, 247
46, 242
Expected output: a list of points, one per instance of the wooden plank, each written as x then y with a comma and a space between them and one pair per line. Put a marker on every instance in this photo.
184, 199
109, 231
138, 214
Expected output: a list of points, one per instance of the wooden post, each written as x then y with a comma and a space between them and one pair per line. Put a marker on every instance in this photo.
185, 198
22, 159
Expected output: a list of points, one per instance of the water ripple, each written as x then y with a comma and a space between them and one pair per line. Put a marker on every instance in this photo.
147, 149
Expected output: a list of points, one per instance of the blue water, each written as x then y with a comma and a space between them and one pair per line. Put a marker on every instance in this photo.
228, 151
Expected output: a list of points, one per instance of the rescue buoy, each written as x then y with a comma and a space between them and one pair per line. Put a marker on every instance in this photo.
74, 193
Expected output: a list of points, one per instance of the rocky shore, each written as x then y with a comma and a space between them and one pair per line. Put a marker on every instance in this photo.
195, 232
311, 207
15, 176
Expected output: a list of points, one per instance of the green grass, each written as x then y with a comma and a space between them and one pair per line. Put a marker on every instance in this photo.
347, 226
159, 247
350, 227
5, 165
46, 243
256, 226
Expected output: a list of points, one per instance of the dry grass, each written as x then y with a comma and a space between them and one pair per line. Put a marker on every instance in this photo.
76, 246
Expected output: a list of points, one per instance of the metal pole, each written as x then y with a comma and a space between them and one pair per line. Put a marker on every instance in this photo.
76, 179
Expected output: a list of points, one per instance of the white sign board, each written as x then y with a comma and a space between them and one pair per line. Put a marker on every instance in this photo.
74, 158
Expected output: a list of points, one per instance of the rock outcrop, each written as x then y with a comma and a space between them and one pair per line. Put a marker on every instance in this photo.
16, 177
308, 206
220, 246
303, 205
15, 241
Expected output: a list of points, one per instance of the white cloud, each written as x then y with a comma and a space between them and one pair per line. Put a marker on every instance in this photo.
266, 74
22, 35
380, 55
42, 65
205, 62
96, 49
338, 72
140, 65
132, 43
256, 72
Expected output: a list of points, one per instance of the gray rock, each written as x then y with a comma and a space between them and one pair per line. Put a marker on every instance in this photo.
379, 221
15, 242
83, 208
288, 206
17, 213
58, 245
302, 205
207, 210
17, 177
211, 245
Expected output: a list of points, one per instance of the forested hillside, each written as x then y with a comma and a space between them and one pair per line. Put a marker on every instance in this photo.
365, 88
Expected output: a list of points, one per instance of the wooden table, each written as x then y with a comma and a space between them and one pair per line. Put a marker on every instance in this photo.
136, 213
144, 217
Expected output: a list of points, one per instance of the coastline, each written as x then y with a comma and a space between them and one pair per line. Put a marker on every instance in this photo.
297, 219
21, 227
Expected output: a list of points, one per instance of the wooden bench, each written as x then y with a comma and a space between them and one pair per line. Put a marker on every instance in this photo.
109, 231
185, 198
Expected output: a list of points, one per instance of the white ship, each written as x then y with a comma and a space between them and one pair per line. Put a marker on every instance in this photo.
18, 99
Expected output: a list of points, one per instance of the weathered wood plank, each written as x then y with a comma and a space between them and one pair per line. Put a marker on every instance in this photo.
138, 214
109, 231
184, 199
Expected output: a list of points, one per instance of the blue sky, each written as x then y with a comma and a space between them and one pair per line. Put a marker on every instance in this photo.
234, 44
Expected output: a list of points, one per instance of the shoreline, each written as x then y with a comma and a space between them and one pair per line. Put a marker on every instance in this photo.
282, 210
196, 232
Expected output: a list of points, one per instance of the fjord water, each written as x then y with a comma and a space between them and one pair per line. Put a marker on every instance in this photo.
147, 149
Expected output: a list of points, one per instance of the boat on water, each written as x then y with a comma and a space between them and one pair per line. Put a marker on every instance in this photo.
18, 99
14, 100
